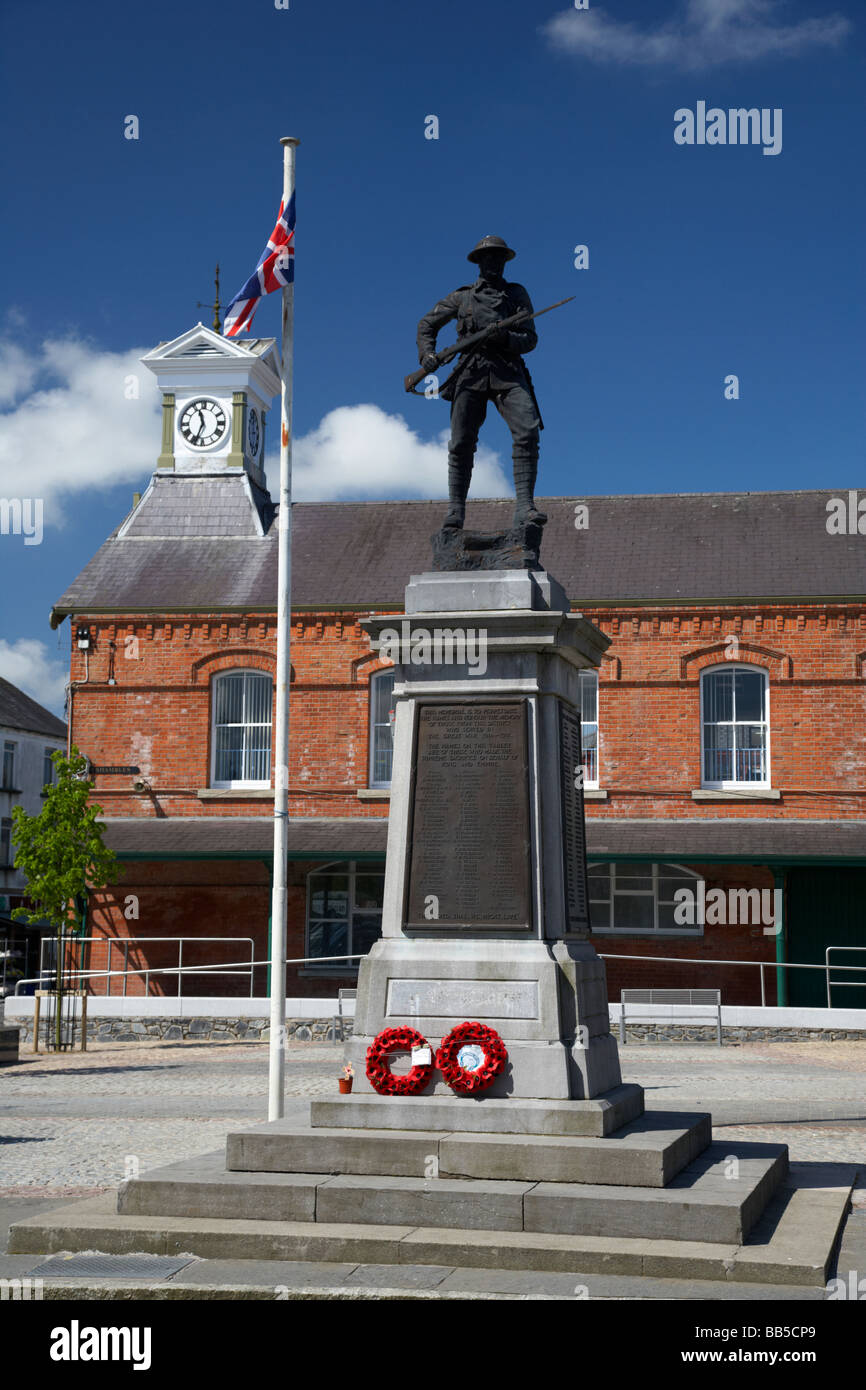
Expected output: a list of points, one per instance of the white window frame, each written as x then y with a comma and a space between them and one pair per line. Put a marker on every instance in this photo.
351, 868
734, 784
591, 782
7, 855
652, 871
10, 750
48, 766
377, 677
239, 785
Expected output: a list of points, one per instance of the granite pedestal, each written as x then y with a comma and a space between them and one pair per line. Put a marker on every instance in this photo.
485, 914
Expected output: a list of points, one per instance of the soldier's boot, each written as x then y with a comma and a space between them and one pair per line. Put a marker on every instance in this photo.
525, 473
458, 487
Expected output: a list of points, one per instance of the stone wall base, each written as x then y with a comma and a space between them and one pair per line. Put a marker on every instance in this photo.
144, 1030
322, 1030
666, 1033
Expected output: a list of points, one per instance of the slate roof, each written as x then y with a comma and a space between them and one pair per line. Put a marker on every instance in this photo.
194, 507
739, 837
709, 547
18, 711
244, 836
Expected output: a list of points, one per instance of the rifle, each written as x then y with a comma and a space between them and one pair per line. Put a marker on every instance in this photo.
473, 339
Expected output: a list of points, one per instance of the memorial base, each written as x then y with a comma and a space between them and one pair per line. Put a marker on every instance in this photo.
547, 1001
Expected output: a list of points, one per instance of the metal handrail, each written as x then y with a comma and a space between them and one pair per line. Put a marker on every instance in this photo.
841, 984
247, 967
760, 964
231, 967
228, 968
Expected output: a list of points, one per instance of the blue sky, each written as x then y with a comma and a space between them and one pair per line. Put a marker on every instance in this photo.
704, 261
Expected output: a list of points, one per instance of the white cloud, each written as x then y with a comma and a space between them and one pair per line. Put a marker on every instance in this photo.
71, 426
359, 451
29, 665
702, 34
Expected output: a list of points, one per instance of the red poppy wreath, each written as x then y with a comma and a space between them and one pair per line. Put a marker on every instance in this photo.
379, 1071
471, 1057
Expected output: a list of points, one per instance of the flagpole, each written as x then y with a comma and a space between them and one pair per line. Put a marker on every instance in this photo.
276, 1047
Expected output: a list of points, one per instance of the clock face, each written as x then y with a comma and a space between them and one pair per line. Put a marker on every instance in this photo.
253, 434
203, 423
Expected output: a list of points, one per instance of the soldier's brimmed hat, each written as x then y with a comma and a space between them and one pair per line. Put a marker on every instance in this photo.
491, 243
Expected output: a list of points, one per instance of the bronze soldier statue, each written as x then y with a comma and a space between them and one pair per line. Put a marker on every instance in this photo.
494, 370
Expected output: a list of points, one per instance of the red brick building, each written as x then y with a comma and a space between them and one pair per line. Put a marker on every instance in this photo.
725, 736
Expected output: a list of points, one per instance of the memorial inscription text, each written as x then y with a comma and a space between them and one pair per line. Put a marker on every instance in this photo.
469, 846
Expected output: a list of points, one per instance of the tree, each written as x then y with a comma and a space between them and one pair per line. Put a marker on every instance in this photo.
61, 854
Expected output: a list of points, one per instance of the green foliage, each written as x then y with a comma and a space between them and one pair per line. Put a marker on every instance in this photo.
60, 851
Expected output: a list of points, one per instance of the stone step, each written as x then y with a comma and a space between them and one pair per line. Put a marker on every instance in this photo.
722, 1195
482, 1114
707, 1197
798, 1251
649, 1152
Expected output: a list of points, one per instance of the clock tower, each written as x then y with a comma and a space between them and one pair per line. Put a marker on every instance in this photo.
215, 394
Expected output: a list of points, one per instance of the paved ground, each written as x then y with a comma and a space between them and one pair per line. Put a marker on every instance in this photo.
79, 1123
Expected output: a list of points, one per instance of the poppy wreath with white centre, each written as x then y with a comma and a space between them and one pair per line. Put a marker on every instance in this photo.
460, 1078
379, 1072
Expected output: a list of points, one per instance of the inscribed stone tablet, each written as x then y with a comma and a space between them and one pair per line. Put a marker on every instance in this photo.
469, 838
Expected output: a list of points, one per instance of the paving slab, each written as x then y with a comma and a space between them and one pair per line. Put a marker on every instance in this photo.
399, 1276
594, 1287
268, 1275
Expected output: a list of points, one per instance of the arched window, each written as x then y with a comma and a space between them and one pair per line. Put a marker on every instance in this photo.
242, 703
735, 741
588, 685
637, 899
381, 727
344, 911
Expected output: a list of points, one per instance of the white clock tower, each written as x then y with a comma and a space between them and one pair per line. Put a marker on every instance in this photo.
215, 394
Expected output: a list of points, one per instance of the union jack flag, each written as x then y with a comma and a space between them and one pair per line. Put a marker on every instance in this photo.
276, 268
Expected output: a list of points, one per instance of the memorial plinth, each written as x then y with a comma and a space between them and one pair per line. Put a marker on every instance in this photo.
557, 1165
485, 911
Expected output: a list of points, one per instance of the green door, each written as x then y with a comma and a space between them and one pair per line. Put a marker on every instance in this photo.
826, 907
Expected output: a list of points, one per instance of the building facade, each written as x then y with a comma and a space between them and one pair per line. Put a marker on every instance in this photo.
724, 735
29, 735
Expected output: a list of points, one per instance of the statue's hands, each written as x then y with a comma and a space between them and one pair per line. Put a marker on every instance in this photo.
428, 362
500, 340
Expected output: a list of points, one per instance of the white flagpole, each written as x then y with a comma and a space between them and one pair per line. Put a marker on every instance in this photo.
276, 1048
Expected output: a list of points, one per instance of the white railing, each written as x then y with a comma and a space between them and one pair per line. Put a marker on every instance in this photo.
758, 964
244, 967
127, 943
229, 968
840, 984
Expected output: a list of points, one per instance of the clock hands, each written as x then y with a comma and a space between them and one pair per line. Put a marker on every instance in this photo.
198, 436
